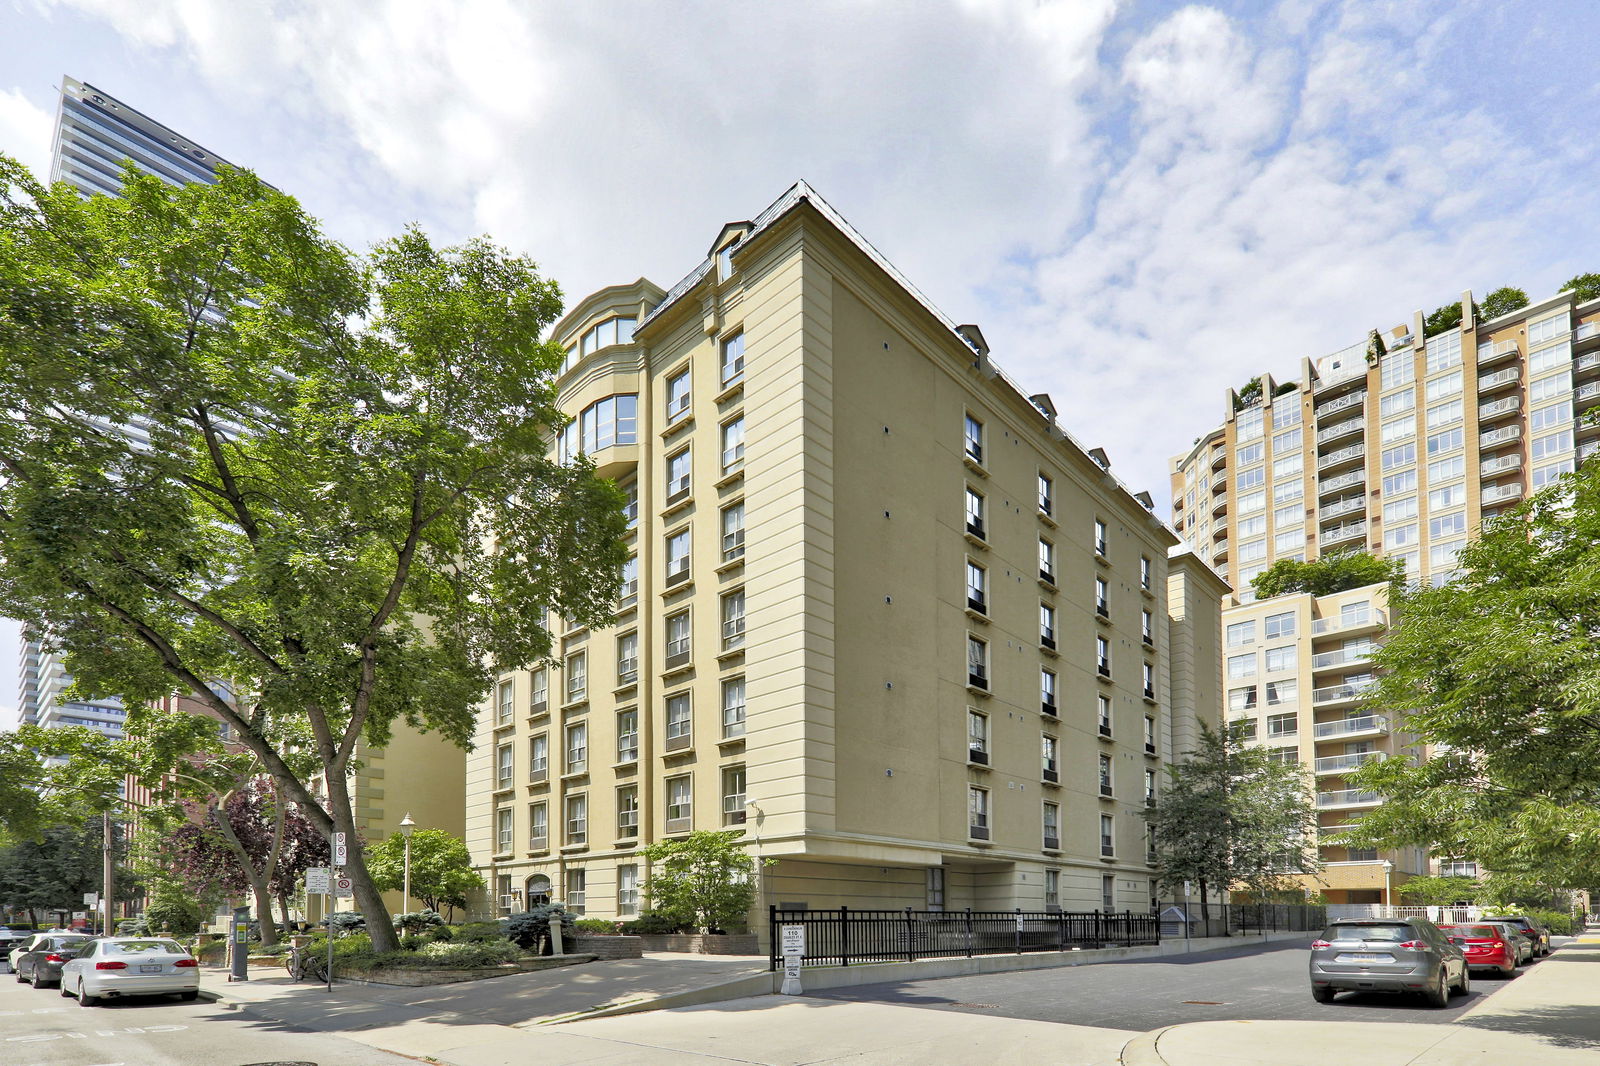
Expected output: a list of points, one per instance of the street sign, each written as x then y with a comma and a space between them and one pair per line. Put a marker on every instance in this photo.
317, 880
91, 898
792, 938
340, 854
345, 886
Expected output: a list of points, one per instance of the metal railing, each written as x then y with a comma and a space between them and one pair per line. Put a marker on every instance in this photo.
1510, 461
1231, 919
1343, 455
1340, 693
1354, 399
1353, 620
1334, 484
844, 936
1345, 726
1348, 797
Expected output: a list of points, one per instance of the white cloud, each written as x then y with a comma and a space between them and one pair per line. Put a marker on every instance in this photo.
25, 131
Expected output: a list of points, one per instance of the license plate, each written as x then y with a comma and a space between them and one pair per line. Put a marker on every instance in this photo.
1365, 956
150, 968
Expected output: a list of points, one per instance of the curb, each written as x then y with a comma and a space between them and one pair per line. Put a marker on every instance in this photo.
1142, 1050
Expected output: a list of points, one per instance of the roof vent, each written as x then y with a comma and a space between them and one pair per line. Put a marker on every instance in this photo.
974, 336
1145, 499
1042, 401
1100, 459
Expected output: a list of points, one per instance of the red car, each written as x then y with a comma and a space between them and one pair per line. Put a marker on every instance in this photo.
1485, 946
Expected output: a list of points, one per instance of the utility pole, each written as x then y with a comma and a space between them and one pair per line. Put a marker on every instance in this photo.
109, 871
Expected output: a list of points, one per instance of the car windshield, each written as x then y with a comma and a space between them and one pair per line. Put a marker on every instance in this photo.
1394, 932
142, 947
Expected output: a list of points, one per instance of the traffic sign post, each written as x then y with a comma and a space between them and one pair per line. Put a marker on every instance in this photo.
792, 945
340, 852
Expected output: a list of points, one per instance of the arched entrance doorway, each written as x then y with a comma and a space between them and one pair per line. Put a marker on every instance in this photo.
537, 891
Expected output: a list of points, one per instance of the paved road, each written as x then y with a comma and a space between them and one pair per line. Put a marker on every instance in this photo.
1266, 981
39, 1028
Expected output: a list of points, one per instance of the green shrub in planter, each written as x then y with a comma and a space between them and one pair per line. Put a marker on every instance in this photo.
345, 923
441, 933
652, 924
597, 927
479, 932
418, 921
530, 930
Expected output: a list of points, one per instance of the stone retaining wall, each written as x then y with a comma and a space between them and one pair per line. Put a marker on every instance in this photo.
703, 944
606, 947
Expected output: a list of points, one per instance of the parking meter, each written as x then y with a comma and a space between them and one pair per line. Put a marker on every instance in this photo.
240, 944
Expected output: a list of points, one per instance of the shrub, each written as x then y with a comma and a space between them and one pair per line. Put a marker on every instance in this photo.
441, 933
345, 923
530, 930
597, 927
133, 927
652, 924
418, 921
170, 910
459, 956
479, 932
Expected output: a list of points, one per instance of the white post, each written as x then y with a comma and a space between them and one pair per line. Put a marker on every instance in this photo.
407, 826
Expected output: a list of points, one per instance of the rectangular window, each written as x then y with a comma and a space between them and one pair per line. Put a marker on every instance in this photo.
1253, 478
733, 795
1245, 454
1288, 491
1105, 774
1145, 574
538, 757
733, 359
627, 890
1556, 356
733, 445
630, 505
1404, 455
1052, 889
1448, 441
1400, 510
628, 811
1102, 656
577, 748
1400, 536
1103, 714
1108, 848
677, 396
1398, 484
680, 803
507, 708
503, 830
733, 620
679, 469
1451, 525
1249, 424
1448, 496
503, 766
1397, 403
1250, 527
1545, 388
733, 532
973, 438
577, 819
1102, 598
935, 888
1282, 725
1397, 429
977, 812
1287, 756
678, 557
1551, 446
628, 591
974, 506
1102, 541
733, 707
1282, 691
977, 587
1556, 414
1047, 561
1396, 370
1050, 763
1447, 469
1242, 699
977, 737
577, 677
678, 639
1255, 501
577, 890
1051, 819
977, 663
539, 697
1149, 788
1242, 665
1544, 475
1443, 556
538, 827
1291, 465
1148, 677
1147, 627
1047, 625
1047, 691
1547, 329
628, 658
1280, 625
1284, 414
628, 736
1443, 351
1150, 734
1446, 385
1444, 414
1047, 500
1287, 441
679, 721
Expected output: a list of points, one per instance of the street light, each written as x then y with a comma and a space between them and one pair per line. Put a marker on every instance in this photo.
1388, 868
407, 827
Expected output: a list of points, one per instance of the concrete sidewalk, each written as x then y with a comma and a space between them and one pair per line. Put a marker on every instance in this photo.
1548, 1015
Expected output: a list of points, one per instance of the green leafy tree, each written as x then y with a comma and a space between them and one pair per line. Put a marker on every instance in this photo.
1584, 287
442, 876
174, 908
1439, 891
1231, 817
1334, 572
706, 880
51, 875
1441, 319
1501, 669
1503, 301
235, 449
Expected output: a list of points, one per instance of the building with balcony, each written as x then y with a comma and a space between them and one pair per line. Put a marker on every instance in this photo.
883, 615
1400, 445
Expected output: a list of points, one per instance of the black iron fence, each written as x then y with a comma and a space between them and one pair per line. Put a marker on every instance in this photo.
1238, 919
844, 936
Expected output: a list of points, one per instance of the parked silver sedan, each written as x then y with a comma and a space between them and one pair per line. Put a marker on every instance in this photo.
40, 963
130, 966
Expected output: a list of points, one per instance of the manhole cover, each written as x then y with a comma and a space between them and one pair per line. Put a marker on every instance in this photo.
978, 1006
1197, 1003
297, 1062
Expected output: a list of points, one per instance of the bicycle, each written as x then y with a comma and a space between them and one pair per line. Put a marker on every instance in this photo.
303, 963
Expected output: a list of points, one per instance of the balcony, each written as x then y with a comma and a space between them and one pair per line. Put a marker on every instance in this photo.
1219, 550
1494, 351
1219, 507
1219, 458
1334, 695
1343, 506
1343, 403
1499, 379
1585, 363
1509, 405
1343, 429
1340, 534
1499, 493
1584, 395
1350, 454
1588, 449
1338, 764
1334, 484
1348, 797
1366, 725
1219, 485
1500, 464
1585, 331
1497, 437
1330, 660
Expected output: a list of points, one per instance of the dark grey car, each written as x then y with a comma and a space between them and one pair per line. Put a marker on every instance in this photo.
41, 964
1387, 955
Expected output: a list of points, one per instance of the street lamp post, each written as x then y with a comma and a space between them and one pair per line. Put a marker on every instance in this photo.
407, 827
1388, 896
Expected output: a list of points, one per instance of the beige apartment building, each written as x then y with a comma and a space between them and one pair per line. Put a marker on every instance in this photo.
883, 615
1400, 445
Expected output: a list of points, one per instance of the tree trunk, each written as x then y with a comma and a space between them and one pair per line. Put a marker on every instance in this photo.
258, 880
368, 900
283, 909
1205, 906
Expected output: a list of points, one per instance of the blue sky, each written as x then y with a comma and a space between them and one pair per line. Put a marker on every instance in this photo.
1141, 203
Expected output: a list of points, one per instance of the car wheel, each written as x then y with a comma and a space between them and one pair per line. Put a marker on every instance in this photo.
21, 980
188, 997
61, 987
1465, 987
1509, 970
84, 998
1323, 993
1439, 994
